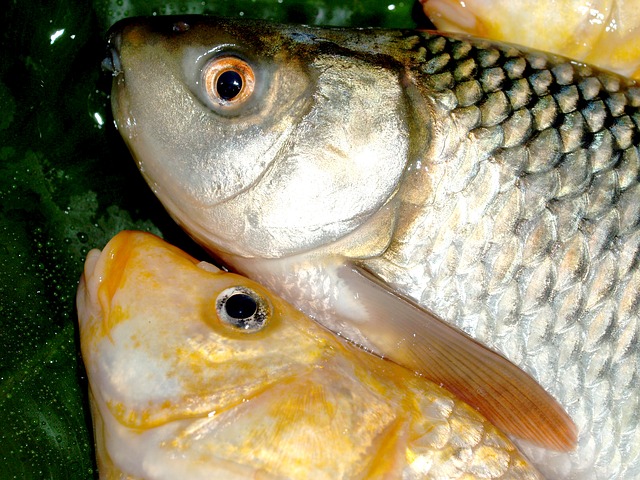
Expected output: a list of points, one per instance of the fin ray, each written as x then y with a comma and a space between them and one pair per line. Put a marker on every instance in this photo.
411, 336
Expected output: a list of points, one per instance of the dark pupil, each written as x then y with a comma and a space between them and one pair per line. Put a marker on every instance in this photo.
241, 306
229, 84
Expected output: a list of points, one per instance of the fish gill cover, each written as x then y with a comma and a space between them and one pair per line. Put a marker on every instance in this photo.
68, 184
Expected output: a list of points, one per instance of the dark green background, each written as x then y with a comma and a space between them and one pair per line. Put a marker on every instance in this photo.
67, 184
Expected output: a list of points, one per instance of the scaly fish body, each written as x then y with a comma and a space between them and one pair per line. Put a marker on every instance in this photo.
601, 32
495, 186
186, 382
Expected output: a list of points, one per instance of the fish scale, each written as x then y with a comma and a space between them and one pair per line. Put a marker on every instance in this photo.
493, 185
569, 238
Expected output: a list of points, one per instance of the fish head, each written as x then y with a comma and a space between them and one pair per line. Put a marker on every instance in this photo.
165, 337
260, 139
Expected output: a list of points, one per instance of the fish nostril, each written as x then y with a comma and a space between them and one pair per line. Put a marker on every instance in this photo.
180, 27
111, 62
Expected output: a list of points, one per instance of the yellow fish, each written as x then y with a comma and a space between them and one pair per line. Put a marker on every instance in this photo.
605, 33
198, 373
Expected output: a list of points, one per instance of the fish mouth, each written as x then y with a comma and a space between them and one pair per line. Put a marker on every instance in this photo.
112, 63
87, 295
101, 278
112, 265
106, 270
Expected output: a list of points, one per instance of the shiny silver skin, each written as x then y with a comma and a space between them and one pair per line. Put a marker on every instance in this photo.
495, 186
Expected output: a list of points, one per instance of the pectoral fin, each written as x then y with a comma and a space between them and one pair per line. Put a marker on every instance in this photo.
411, 336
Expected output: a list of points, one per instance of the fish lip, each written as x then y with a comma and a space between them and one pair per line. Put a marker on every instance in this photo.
104, 270
112, 63
87, 294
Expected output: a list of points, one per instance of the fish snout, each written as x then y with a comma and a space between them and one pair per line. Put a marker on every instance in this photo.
116, 36
137, 31
103, 273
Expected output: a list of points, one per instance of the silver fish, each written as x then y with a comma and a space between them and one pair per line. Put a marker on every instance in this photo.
379, 180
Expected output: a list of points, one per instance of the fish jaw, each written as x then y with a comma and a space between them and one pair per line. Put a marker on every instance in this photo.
205, 165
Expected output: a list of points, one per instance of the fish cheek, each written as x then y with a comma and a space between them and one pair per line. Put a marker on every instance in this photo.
193, 153
341, 164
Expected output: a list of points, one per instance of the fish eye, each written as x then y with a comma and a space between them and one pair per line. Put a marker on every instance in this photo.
228, 81
242, 308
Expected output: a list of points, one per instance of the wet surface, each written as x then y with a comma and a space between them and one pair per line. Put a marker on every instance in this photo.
68, 184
